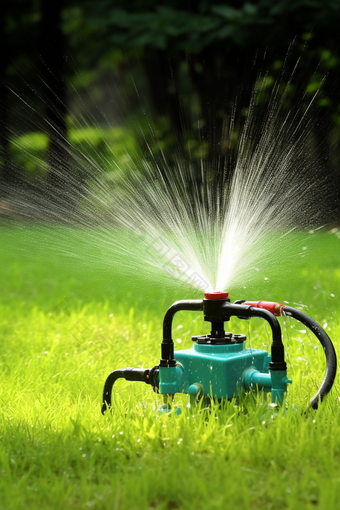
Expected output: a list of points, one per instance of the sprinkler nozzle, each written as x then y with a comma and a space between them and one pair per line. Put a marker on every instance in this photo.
218, 294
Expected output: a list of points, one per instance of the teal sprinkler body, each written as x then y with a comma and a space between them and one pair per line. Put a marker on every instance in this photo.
219, 366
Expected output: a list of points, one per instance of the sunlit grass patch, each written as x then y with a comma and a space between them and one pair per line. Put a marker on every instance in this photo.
63, 329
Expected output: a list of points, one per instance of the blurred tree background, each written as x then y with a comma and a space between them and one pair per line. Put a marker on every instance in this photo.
97, 74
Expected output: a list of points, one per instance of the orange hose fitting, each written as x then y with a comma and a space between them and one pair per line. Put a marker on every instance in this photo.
271, 306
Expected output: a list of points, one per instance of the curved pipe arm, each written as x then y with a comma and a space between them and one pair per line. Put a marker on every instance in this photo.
167, 345
245, 311
277, 348
193, 305
129, 374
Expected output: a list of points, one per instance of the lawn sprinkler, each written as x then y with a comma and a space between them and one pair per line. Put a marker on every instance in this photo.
219, 366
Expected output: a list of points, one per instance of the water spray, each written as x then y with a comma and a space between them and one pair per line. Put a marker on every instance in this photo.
219, 366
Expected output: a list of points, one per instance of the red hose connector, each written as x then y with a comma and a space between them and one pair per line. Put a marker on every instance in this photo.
272, 307
216, 295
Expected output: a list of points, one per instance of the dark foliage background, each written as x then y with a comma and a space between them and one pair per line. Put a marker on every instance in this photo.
183, 70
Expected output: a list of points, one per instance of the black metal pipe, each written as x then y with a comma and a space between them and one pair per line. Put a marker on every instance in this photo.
277, 348
218, 311
246, 312
326, 342
129, 374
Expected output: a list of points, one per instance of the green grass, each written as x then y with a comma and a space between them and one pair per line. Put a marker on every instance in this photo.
66, 323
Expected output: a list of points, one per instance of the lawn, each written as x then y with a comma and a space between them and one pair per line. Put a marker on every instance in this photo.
67, 321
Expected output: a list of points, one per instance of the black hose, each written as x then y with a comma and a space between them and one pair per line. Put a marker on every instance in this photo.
331, 362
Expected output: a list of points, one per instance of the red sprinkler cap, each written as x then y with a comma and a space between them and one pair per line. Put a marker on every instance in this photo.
216, 295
